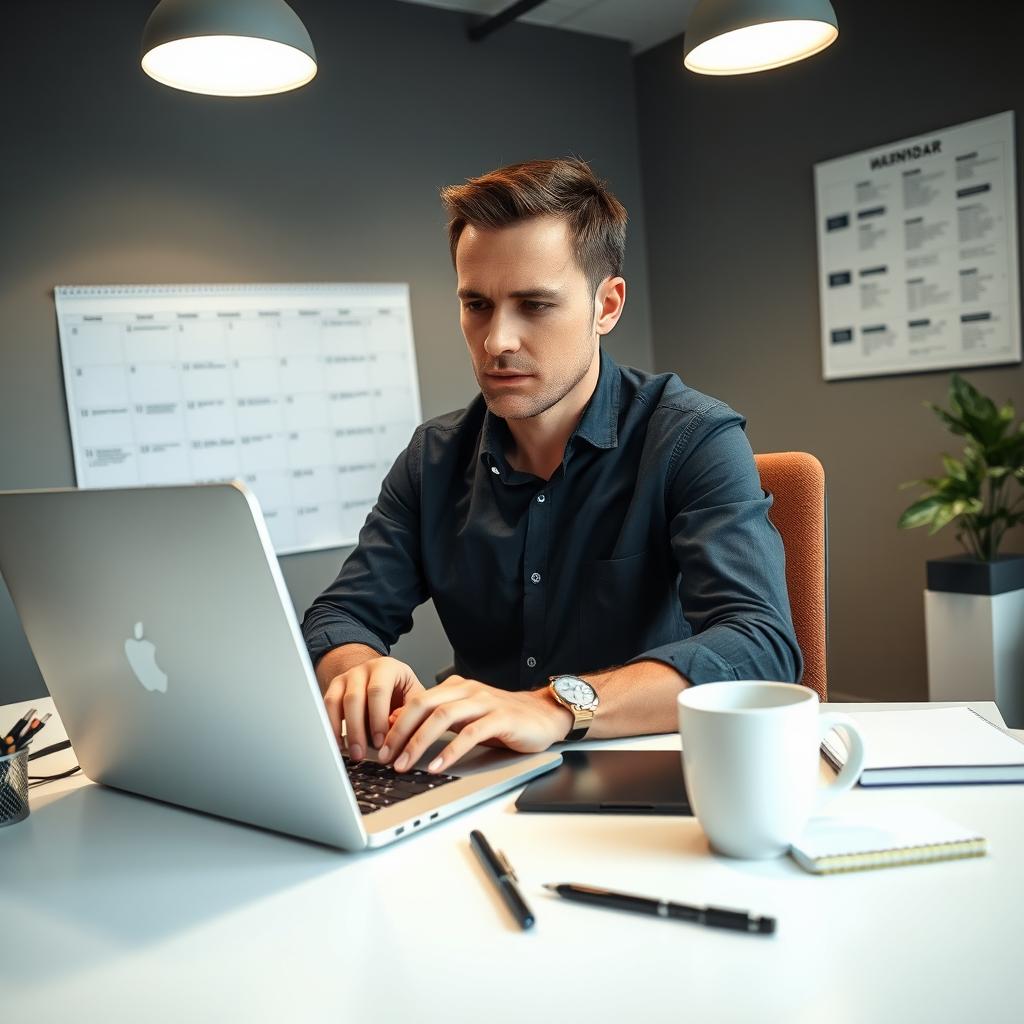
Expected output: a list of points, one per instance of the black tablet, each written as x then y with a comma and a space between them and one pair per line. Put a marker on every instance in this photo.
610, 782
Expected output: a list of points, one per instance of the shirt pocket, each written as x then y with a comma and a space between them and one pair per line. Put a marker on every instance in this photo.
624, 603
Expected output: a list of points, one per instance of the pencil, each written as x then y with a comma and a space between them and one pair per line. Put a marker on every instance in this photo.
23, 738
19, 725
27, 736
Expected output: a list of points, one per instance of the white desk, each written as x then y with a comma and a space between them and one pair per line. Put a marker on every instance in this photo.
117, 908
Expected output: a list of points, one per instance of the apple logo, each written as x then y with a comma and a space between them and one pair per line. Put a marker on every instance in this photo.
141, 656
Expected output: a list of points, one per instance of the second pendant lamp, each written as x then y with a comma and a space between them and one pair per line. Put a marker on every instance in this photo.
737, 37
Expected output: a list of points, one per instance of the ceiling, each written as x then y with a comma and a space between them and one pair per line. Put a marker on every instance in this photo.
642, 23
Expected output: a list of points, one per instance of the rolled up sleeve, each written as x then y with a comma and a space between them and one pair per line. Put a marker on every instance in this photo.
381, 582
730, 558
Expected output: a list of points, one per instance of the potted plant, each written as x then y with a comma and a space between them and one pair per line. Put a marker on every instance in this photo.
974, 603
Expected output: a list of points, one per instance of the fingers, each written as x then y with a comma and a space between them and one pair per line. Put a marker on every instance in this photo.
426, 716
379, 698
479, 714
332, 701
354, 707
455, 715
363, 698
483, 730
415, 709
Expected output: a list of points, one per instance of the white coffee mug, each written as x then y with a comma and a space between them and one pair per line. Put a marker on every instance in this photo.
750, 759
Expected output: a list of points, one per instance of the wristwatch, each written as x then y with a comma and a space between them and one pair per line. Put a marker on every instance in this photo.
579, 697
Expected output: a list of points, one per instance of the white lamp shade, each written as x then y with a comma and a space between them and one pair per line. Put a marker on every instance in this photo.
228, 47
737, 37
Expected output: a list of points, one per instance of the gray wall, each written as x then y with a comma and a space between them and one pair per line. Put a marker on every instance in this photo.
108, 177
728, 183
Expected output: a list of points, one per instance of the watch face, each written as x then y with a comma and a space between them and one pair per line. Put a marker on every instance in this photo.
575, 690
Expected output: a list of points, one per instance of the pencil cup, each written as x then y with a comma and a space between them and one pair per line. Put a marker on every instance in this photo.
14, 787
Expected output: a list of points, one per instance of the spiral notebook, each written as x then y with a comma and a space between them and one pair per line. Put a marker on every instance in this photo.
886, 839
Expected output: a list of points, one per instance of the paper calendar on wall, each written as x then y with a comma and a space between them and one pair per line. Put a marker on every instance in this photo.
307, 392
917, 253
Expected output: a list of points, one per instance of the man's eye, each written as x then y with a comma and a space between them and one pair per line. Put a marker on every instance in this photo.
536, 307
473, 307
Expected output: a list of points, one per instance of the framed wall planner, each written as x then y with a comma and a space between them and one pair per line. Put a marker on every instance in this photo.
917, 253
306, 392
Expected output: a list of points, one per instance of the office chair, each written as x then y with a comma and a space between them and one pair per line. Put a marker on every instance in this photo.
799, 512
796, 480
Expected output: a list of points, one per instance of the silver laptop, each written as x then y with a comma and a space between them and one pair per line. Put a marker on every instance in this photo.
164, 632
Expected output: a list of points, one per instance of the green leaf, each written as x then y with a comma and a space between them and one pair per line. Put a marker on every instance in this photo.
953, 488
920, 513
976, 410
952, 424
954, 468
967, 506
944, 515
966, 397
1009, 451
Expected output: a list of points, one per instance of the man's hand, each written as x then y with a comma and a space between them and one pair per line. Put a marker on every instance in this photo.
527, 721
364, 698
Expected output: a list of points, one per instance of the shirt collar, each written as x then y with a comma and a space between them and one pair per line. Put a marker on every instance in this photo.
493, 438
599, 424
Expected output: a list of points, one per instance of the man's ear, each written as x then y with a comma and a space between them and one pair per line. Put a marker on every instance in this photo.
609, 301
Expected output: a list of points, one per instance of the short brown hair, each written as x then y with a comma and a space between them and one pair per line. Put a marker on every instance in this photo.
565, 188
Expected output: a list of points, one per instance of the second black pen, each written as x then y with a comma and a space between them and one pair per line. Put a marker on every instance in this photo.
716, 917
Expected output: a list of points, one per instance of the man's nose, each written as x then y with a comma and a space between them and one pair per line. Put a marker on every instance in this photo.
502, 335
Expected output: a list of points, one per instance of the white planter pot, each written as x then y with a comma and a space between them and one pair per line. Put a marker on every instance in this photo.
976, 640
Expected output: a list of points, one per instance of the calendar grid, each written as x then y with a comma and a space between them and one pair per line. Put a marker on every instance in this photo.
306, 393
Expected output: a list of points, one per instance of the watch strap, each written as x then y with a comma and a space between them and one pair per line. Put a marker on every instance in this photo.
584, 717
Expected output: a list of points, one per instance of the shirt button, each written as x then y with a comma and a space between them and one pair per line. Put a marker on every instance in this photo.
535, 577
531, 662
540, 498
495, 471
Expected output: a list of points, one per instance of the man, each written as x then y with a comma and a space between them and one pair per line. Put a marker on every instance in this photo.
575, 518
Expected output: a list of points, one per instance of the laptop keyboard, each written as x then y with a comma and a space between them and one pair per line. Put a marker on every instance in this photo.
379, 785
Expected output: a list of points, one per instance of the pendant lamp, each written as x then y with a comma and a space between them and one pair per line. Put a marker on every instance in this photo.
227, 47
736, 37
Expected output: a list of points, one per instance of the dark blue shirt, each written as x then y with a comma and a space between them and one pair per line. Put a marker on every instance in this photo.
650, 541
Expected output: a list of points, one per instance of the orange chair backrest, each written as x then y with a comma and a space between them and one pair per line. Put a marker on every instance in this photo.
797, 482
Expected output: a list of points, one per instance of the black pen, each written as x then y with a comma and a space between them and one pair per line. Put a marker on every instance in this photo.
497, 866
16, 729
26, 737
717, 917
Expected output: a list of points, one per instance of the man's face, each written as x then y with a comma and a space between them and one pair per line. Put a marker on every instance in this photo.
528, 314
